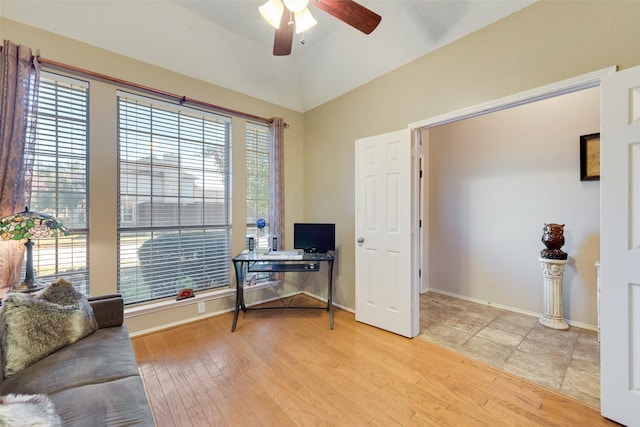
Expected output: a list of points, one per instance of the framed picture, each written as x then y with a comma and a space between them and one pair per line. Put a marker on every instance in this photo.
590, 157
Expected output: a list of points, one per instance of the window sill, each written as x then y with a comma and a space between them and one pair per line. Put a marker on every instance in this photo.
155, 307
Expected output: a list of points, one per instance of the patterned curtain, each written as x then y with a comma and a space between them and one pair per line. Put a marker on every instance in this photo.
276, 172
20, 80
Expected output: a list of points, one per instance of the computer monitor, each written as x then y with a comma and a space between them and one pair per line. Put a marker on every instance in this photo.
314, 237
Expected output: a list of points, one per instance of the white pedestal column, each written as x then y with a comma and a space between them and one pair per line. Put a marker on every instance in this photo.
552, 272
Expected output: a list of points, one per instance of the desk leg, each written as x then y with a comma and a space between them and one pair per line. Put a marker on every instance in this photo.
330, 299
239, 267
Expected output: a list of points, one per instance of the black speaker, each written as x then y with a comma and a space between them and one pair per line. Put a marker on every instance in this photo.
274, 243
251, 243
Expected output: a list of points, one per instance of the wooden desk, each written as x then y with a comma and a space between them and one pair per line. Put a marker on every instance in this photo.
252, 262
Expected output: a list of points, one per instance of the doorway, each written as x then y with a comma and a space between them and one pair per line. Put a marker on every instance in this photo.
587, 81
494, 181
502, 191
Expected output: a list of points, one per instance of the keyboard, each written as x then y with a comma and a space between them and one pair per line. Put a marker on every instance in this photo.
283, 255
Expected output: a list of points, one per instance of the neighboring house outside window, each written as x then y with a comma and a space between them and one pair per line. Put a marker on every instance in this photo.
60, 177
174, 224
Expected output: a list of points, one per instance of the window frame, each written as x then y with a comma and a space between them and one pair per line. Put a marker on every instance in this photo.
182, 231
253, 142
70, 122
258, 138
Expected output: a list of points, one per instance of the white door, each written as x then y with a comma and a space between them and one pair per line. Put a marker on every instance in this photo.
620, 247
386, 293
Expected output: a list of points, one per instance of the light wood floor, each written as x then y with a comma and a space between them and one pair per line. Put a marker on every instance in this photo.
288, 368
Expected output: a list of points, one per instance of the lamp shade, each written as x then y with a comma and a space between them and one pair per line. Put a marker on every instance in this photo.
28, 225
304, 20
296, 5
272, 11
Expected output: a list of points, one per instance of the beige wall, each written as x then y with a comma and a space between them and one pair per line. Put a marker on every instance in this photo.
541, 44
494, 180
103, 154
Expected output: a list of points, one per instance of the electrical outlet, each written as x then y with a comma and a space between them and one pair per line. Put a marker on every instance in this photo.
201, 307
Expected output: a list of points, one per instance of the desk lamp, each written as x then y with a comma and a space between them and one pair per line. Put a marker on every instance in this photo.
25, 226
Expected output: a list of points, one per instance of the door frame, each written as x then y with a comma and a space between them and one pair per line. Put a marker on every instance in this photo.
585, 81
574, 84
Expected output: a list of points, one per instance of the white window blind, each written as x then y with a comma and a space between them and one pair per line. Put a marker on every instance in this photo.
258, 180
59, 182
174, 199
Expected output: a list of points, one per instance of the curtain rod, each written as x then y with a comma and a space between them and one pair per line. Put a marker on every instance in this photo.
182, 99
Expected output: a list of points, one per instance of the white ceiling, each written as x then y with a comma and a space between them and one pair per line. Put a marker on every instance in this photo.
227, 43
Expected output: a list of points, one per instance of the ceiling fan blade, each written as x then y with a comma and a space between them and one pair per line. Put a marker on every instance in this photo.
350, 12
284, 36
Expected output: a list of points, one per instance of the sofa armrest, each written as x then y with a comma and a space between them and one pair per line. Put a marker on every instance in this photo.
108, 310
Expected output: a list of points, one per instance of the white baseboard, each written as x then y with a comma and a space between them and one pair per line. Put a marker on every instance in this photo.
179, 323
217, 313
437, 291
508, 308
342, 307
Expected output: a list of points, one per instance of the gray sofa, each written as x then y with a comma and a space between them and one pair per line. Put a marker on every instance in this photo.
92, 382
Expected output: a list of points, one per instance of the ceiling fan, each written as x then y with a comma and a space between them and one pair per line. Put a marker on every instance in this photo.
295, 15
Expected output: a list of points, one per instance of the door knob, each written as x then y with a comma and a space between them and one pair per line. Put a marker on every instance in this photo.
360, 240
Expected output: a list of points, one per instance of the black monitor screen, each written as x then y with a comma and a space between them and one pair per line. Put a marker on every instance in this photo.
314, 237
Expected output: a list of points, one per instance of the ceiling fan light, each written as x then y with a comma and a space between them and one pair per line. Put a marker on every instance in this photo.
304, 20
272, 11
296, 5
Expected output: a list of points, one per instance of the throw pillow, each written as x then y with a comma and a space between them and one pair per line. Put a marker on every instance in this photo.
35, 325
27, 410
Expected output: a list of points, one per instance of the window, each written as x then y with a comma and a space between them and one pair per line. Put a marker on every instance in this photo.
174, 199
258, 181
59, 182
258, 178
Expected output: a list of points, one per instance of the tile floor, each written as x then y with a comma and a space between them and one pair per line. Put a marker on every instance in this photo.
565, 361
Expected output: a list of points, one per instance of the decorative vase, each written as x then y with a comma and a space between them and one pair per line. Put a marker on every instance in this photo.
553, 239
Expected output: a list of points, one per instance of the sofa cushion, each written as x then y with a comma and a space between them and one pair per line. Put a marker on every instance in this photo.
108, 310
105, 355
121, 402
35, 325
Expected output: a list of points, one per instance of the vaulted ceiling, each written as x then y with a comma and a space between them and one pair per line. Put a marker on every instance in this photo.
227, 43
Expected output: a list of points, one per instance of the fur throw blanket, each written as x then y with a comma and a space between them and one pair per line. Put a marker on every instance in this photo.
28, 410
33, 326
